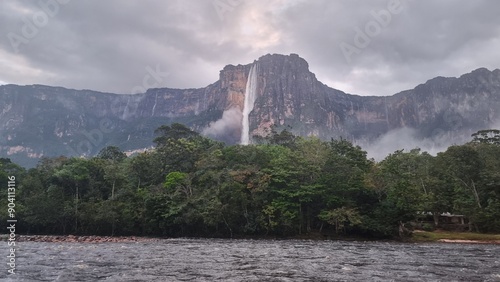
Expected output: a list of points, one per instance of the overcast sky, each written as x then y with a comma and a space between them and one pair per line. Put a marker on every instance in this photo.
114, 45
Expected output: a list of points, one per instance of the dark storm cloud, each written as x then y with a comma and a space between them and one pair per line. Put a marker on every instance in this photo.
111, 45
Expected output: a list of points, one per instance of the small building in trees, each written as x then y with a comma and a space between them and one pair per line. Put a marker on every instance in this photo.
446, 221
448, 218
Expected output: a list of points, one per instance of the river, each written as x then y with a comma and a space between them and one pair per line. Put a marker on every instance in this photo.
253, 260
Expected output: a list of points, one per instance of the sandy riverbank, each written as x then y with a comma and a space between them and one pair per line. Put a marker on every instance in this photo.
419, 236
469, 241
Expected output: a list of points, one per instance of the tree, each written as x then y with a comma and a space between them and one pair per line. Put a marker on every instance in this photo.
114, 176
283, 208
353, 154
174, 131
8, 169
180, 147
488, 219
284, 138
341, 217
487, 136
112, 153
74, 174
178, 181
403, 187
190, 185
311, 157
462, 165
147, 169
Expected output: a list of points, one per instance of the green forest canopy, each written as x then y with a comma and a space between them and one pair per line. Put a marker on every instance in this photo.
190, 185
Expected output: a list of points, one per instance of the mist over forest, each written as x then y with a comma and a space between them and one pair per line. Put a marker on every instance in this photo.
283, 185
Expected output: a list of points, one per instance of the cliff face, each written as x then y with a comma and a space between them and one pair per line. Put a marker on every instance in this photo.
291, 95
451, 105
39, 120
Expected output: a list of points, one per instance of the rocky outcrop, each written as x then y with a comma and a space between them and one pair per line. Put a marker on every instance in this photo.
291, 95
39, 120
84, 239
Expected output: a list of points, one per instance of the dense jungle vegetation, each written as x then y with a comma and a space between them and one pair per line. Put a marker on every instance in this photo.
189, 185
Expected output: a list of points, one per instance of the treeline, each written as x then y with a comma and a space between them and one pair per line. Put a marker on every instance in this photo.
190, 185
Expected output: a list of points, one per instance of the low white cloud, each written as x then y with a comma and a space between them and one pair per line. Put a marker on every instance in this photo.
407, 139
227, 128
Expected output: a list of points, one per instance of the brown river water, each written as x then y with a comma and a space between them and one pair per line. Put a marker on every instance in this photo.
252, 260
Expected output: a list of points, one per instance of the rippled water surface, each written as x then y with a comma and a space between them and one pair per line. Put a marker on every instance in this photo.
254, 260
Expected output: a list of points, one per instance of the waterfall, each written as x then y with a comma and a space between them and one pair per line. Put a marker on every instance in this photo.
154, 106
250, 95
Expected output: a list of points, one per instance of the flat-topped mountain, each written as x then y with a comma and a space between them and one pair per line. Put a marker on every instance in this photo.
39, 120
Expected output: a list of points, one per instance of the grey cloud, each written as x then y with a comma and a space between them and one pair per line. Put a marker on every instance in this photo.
106, 45
407, 139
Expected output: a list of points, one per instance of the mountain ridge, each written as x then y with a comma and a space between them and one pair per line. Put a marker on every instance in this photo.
41, 120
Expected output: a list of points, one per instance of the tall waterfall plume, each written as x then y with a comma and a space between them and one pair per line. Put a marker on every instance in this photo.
250, 95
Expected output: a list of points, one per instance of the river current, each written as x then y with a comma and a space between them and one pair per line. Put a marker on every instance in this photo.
253, 260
